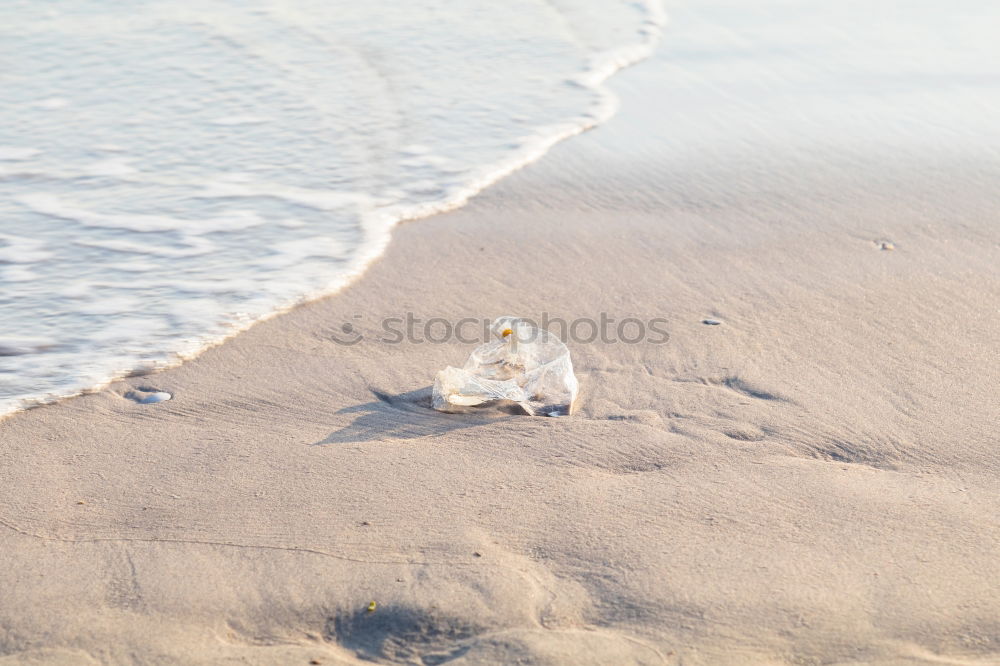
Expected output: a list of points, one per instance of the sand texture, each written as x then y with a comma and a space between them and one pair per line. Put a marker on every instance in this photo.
813, 480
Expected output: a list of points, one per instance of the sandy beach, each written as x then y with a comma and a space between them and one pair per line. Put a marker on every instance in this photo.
810, 478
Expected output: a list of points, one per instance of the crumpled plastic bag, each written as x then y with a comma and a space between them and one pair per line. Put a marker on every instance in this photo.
527, 365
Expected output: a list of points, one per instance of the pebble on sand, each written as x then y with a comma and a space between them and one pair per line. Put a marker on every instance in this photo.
711, 322
144, 397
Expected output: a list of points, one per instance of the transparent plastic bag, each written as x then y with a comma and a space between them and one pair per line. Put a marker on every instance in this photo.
526, 365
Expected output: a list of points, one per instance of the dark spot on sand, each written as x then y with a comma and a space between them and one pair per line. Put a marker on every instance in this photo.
711, 322
409, 635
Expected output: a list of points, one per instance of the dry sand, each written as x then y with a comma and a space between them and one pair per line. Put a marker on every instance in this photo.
814, 480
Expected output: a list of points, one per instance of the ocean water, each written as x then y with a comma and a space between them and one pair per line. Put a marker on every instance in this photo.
172, 172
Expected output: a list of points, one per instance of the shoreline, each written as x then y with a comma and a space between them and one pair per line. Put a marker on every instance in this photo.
379, 222
811, 480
